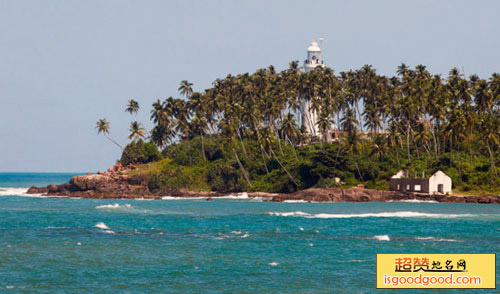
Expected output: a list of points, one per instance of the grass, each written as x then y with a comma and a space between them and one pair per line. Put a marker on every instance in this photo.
150, 168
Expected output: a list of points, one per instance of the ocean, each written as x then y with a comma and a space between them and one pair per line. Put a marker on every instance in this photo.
231, 245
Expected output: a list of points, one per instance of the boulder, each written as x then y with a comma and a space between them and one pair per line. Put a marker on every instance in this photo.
52, 188
37, 190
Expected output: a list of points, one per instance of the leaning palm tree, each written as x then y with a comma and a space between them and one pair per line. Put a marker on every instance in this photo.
102, 126
132, 107
136, 131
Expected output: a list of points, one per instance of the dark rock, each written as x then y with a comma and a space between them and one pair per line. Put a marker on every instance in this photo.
37, 190
52, 188
363, 195
111, 185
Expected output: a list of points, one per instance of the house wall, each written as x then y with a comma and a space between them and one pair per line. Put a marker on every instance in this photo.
404, 182
439, 178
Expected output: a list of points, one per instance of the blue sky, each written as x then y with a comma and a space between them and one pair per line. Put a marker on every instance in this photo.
65, 64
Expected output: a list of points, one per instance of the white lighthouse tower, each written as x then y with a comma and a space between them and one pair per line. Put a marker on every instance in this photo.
309, 117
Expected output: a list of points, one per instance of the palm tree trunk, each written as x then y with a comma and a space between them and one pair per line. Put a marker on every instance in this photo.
109, 138
243, 171
408, 143
203, 147
435, 141
451, 151
492, 158
279, 142
116, 143
293, 147
470, 147
284, 168
357, 167
241, 141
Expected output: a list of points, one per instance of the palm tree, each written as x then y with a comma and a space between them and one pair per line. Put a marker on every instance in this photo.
324, 123
136, 131
132, 107
491, 131
102, 126
186, 88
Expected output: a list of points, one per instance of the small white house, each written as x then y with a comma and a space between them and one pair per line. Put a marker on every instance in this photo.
439, 182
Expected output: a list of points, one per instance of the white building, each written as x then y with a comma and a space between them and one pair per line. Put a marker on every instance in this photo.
439, 183
309, 117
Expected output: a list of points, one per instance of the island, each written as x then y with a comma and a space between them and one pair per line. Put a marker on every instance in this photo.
310, 135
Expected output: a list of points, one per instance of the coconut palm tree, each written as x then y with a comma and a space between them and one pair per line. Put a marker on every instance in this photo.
186, 88
102, 126
132, 107
136, 131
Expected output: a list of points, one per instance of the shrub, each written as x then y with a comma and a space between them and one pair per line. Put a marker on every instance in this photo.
140, 152
157, 182
224, 177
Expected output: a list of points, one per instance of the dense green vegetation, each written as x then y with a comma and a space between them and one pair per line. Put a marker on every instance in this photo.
244, 134
140, 152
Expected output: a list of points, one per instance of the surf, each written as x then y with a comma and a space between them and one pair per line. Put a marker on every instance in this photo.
397, 214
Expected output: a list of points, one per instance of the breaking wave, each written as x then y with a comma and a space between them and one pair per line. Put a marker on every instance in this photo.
10, 191
240, 196
436, 239
414, 201
403, 214
102, 226
182, 198
382, 237
293, 213
6, 191
113, 206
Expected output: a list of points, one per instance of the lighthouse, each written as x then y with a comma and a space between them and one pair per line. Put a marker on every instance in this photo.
309, 117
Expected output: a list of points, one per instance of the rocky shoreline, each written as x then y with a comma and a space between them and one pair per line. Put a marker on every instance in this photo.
113, 185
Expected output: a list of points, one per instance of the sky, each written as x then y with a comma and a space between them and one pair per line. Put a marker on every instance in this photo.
65, 64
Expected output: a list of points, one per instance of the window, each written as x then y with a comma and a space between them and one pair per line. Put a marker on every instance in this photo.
397, 187
408, 187
417, 188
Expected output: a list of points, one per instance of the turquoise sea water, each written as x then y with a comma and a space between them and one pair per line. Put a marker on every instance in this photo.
60, 245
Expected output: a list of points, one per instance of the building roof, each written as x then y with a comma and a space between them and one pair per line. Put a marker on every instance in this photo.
401, 175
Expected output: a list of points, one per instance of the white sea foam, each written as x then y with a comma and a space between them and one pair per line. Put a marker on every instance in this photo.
240, 196
7, 191
102, 226
113, 206
181, 198
273, 263
382, 237
295, 201
414, 201
293, 213
246, 235
257, 199
108, 232
436, 239
404, 214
